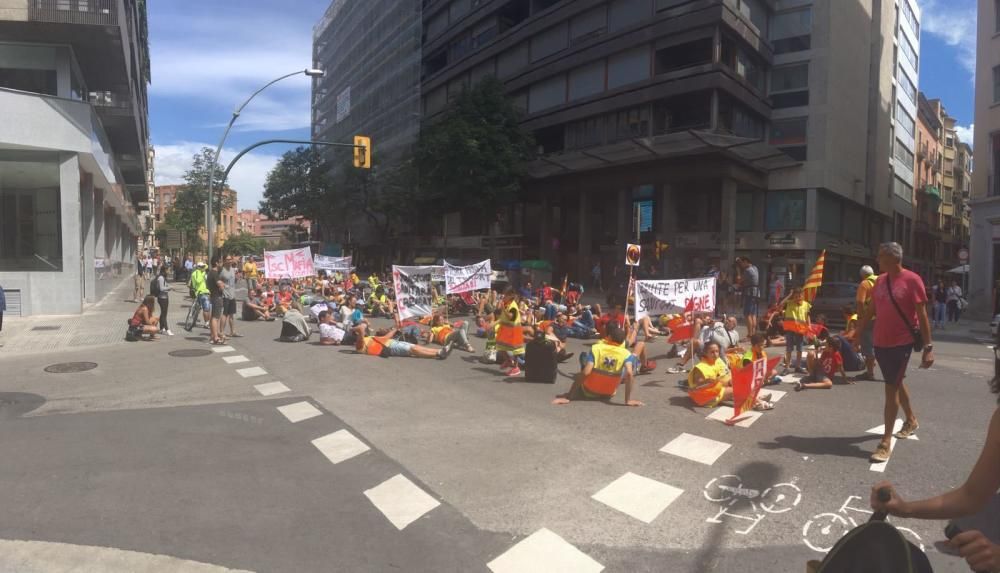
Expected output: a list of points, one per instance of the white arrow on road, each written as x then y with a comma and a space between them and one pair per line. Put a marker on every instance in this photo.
880, 431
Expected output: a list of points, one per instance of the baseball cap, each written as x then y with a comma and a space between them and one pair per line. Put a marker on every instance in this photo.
200, 264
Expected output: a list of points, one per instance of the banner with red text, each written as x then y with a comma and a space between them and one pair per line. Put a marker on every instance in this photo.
747, 382
413, 291
464, 279
288, 264
653, 298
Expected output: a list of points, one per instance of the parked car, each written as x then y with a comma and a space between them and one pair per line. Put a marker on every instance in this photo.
831, 299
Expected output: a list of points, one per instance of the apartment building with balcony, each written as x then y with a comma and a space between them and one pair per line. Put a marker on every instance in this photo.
984, 244
227, 224
731, 126
74, 154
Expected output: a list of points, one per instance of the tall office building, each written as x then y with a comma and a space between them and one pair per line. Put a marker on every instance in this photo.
767, 129
74, 151
984, 246
370, 52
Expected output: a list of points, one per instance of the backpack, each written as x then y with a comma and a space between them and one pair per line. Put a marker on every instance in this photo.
540, 361
873, 547
154, 287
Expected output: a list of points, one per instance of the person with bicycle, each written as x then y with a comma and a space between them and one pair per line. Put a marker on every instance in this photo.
199, 291
980, 553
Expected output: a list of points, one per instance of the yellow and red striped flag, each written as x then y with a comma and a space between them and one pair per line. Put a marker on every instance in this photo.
815, 280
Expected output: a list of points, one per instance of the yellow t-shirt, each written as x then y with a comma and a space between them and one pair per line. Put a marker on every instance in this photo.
250, 269
798, 312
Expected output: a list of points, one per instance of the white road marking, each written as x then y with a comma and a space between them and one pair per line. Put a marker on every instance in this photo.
723, 413
696, 448
339, 446
222, 349
299, 411
38, 556
251, 372
401, 501
235, 359
271, 388
880, 429
775, 394
638, 496
544, 552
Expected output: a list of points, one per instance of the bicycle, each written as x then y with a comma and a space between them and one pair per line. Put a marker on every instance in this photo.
832, 526
779, 498
192, 316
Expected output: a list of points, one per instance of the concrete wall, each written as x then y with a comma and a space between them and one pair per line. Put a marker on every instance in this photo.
987, 114
982, 274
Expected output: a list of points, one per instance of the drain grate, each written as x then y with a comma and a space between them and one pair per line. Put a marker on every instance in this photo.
56, 327
70, 367
189, 353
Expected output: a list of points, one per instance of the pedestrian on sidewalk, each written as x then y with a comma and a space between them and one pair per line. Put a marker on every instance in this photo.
215, 288
865, 337
940, 294
954, 299
228, 277
899, 300
139, 285
161, 290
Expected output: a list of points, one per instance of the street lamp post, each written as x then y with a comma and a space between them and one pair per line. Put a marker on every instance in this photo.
311, 72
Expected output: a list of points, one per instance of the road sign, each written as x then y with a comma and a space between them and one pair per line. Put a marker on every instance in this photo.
963, 255
632, 253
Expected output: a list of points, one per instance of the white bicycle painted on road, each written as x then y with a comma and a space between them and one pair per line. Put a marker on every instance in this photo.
729, 491
823, 530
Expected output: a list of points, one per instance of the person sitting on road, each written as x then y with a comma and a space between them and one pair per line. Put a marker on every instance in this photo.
385, 345
332, 333
143, 321
823, 368
294, 327
710, 382
444, 334
724, 334
604, 369
351, 314
379, 303
757, 345
254, 307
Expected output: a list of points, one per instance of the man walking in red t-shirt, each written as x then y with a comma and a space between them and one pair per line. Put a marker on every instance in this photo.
899, 301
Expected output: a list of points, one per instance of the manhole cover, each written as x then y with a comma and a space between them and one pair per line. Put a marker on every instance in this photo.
68, 367
46, 328
189, 353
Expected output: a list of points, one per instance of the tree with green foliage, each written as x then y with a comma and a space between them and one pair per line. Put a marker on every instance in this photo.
476, 156
301, 185
243, 244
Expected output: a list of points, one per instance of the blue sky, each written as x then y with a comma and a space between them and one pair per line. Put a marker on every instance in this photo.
209, 55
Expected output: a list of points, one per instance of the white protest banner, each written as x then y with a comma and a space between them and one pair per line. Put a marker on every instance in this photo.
289, 264
464, 279
675, 296
437, 273
413, 291
332, 263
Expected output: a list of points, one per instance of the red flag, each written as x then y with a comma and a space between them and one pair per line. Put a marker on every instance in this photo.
681, 332
747, 382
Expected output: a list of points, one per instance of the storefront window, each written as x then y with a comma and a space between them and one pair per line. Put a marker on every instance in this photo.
785, 211
29, 212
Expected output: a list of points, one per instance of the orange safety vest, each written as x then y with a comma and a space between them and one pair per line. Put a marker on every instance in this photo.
794, 325
609, 364
442, 333
374, 347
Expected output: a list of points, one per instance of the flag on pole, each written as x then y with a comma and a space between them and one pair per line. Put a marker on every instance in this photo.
815, 280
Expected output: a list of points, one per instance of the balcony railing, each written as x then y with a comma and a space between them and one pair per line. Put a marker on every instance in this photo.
92, 12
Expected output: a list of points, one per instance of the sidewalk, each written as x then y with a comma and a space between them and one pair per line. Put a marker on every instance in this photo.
101, 324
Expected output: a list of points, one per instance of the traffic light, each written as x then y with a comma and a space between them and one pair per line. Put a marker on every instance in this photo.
363, 151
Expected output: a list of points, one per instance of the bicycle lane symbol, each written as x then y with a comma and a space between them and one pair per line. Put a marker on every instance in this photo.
728, 491
823, 530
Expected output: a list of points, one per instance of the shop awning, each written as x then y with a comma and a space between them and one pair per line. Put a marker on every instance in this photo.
960, 270
933, 193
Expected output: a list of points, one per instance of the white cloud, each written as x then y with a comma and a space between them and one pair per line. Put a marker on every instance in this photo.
954, 22
247, 177
965, 133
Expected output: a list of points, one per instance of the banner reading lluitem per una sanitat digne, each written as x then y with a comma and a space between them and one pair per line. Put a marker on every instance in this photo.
288, 264
469, 278
413, 290
653, 298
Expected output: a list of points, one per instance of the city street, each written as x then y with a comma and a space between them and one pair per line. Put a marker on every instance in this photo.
197, 463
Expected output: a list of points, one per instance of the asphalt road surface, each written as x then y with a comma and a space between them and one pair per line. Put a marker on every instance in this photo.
423, 465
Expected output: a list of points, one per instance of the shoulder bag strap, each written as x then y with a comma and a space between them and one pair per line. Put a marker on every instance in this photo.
888, 281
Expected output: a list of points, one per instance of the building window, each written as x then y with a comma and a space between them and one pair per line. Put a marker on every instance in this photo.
547, 93
902, 189
549, 42
741, 62
684, 55
628, 67
910, 17
828, 213
903, 154
785, 211
588, 25
790, 86
904, 120
624, 13
744, 211
996, 84
789, 135
791, 31
905, 85
30, 229
681, 112
585, 133
739, 120
908, 51
586, 80
629, 124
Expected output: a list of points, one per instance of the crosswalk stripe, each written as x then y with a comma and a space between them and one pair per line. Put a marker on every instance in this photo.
339, 446
637, 496
223, 349
544, 552
723, 413
235, 359
271, 388
299, 411
696, 448
251, 372
401, 501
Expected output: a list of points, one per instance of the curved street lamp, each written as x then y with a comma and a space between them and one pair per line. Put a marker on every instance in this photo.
311, 72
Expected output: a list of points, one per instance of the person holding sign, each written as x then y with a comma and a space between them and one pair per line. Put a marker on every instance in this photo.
710, 382
605, 368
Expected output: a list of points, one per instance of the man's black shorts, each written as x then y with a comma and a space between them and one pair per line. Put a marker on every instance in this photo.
229, 306
217, 306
